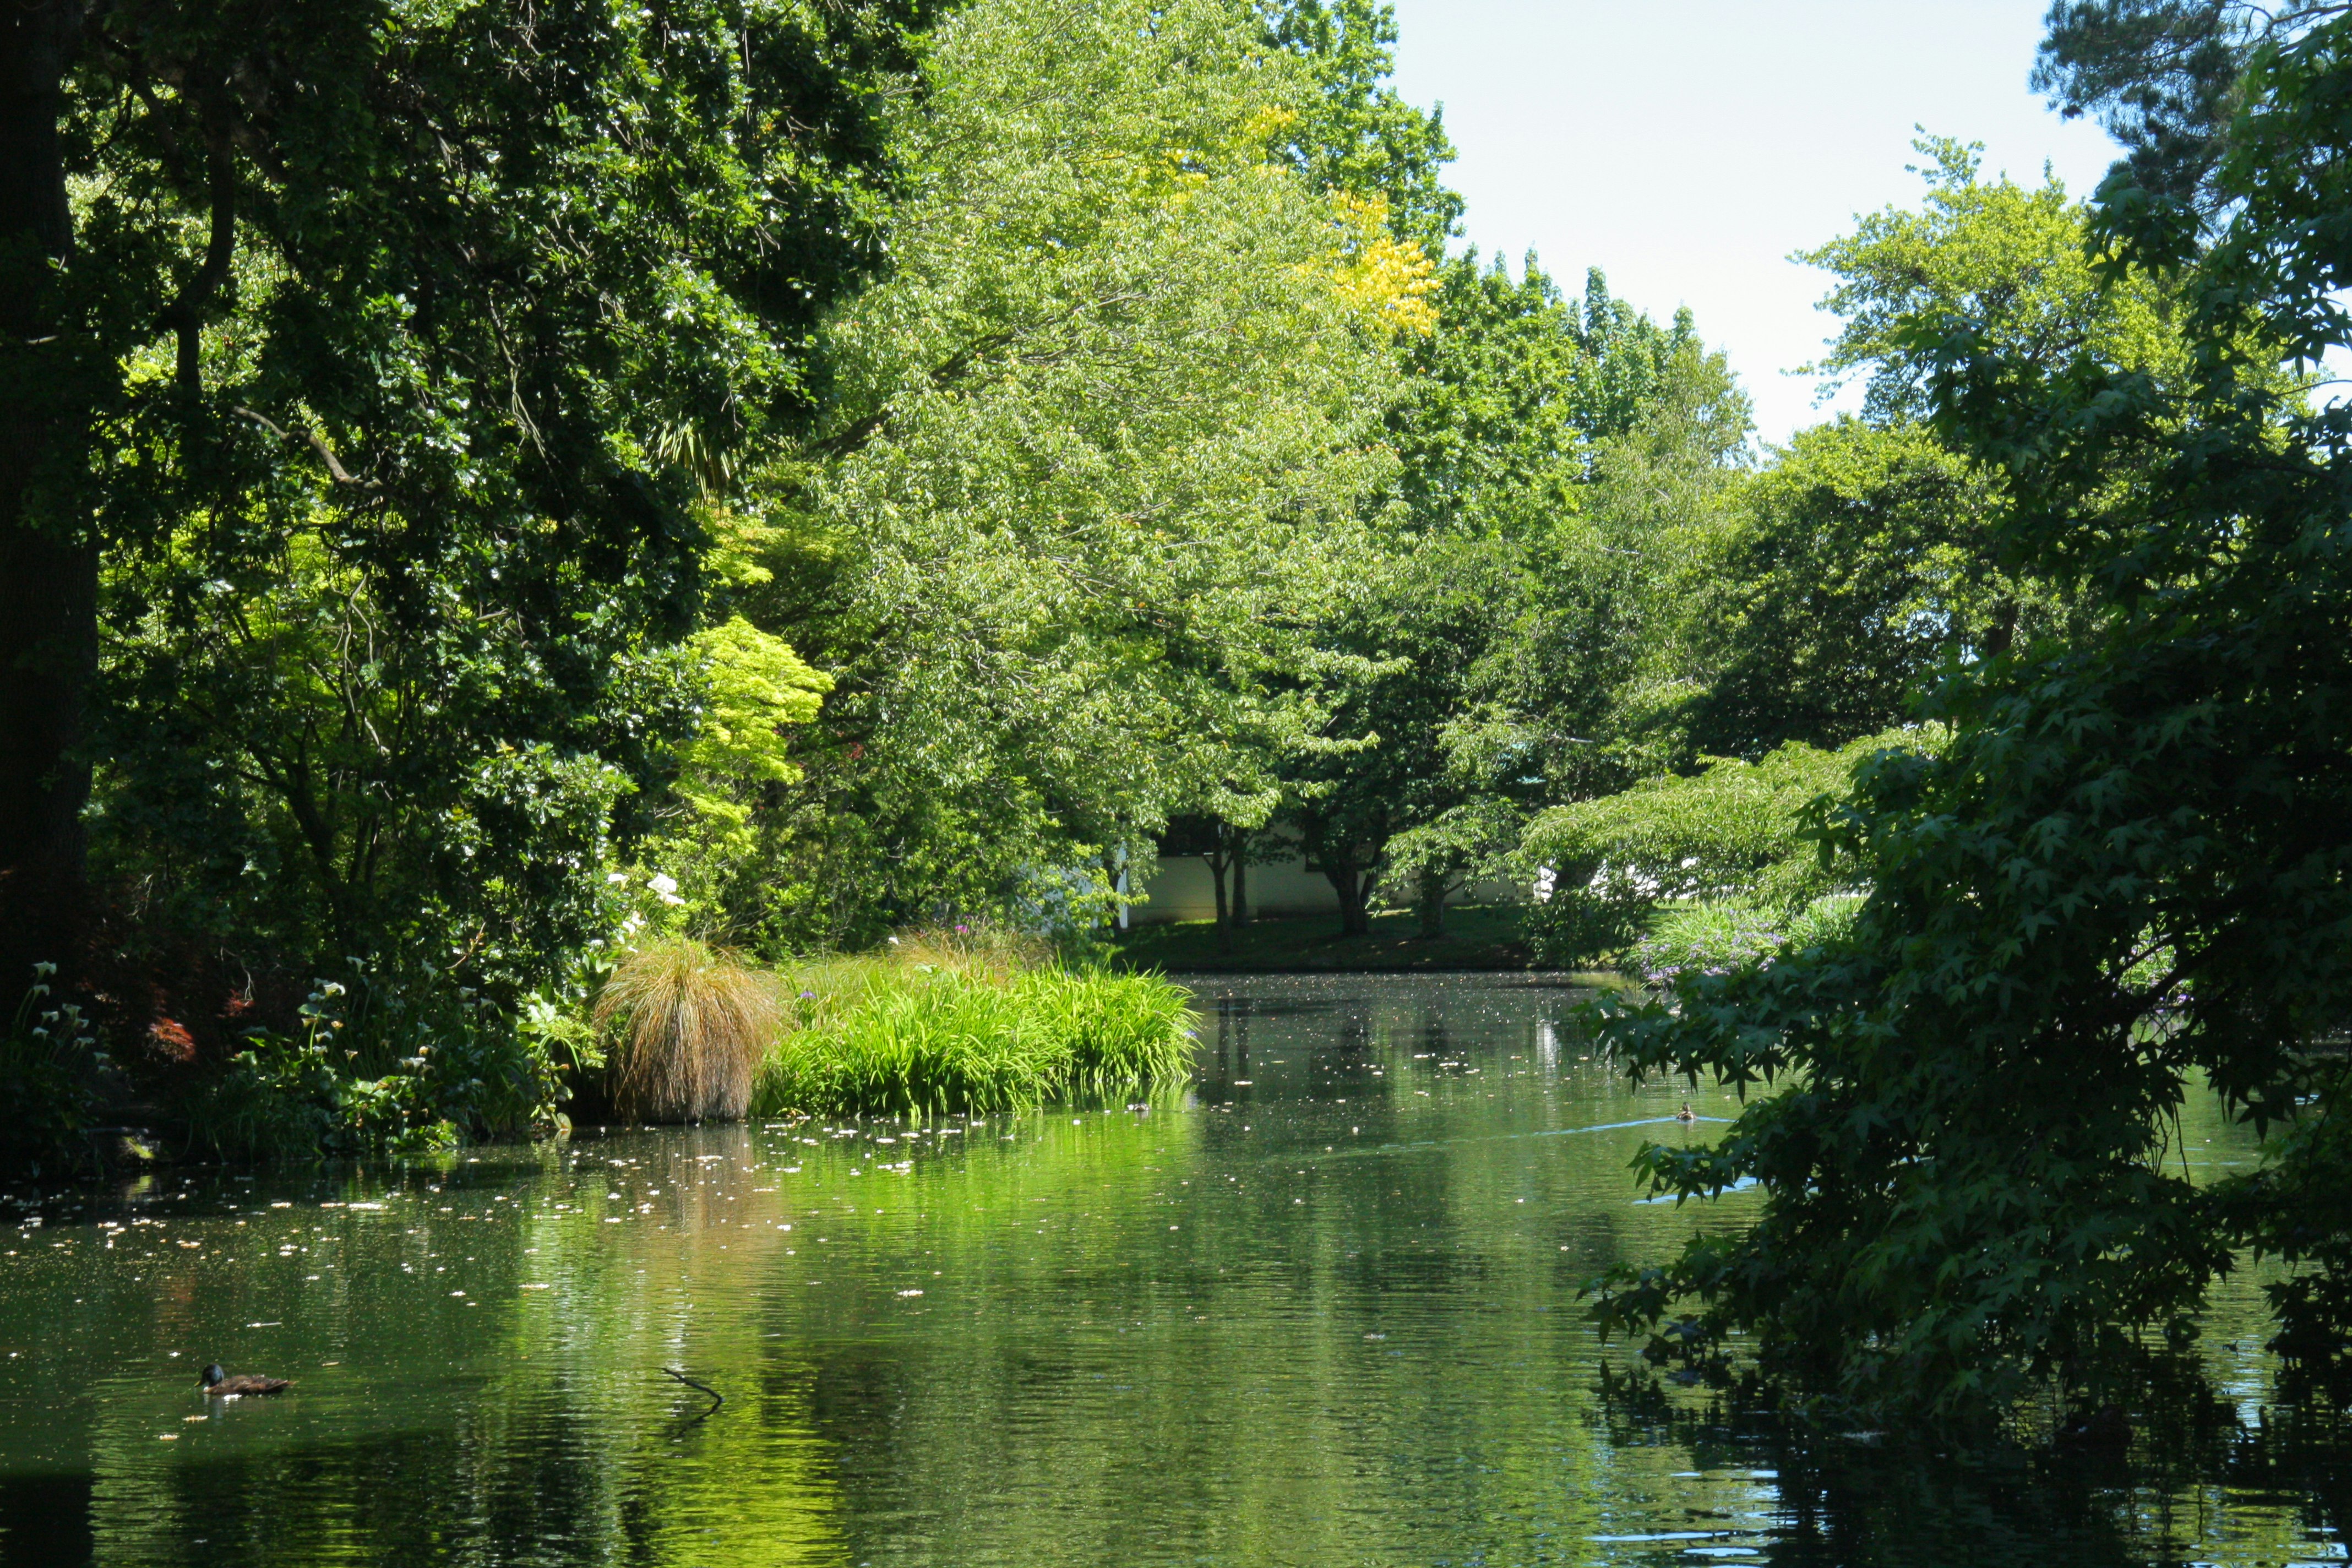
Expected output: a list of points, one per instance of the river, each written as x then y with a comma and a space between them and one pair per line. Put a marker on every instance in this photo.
1319, 1309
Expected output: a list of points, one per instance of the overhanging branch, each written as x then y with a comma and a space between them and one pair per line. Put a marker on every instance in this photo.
311, 439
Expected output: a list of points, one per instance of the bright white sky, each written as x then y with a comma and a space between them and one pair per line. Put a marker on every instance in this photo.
1687, 149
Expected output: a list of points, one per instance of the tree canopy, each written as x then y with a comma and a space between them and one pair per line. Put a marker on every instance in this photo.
373, 366
2124, 876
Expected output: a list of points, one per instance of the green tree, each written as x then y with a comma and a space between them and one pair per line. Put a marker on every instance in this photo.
2010, 257
1554, 455
1381, 770
368, 362
1851, 568
2127, 872
1871, 551
1089, 468
2161, 75
1731, 831
1590, 689
1353, 131
1350, 134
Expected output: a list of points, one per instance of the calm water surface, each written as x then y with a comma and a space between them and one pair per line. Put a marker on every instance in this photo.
1319, 1310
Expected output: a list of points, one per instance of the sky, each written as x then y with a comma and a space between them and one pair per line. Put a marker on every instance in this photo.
1687, 149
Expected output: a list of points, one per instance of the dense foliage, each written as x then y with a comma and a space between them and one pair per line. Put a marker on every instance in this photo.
951, 1042
1559, 462
969, 1019
1094, 453
392, 353
491, 488
2124, 877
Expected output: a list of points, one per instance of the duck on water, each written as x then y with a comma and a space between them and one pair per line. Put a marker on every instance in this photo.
219, 1383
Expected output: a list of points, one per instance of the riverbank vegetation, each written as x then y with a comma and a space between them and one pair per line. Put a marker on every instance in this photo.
687, 1028
939, 1024
505, 508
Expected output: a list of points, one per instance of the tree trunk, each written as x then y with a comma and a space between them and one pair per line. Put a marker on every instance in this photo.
1355, 892
1216, 864
1431, 906
49, 580
2002, 633
1240, 877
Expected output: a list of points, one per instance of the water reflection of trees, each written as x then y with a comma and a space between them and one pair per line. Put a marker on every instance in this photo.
532, 1428
1331, 1357
2202, 1479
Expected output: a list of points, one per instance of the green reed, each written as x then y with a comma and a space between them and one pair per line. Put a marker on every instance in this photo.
926, 1031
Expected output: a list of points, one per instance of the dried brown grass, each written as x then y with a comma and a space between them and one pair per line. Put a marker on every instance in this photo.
688, 1028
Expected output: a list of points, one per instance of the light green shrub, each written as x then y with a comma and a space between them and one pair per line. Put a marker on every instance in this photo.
1719, 937
1733, 832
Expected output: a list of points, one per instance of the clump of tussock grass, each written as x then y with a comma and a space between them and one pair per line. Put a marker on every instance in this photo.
688, 1028
952, 1022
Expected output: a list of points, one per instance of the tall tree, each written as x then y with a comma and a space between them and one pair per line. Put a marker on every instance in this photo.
1354, 132
1871, 551
366, 362
1092, 461
2162, 76
1851, 570
48, 571
2128, 871
1417, 632
1553, 453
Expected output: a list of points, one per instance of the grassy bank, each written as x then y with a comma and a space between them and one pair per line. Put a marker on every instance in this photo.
1476, 936
958, 1023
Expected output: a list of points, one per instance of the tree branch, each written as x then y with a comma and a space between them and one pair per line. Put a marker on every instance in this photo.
311, 439
185, 316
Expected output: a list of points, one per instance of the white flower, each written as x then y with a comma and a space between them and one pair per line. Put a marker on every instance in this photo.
663, 883
616, 875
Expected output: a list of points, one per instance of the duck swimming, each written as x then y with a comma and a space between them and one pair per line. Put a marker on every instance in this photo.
221, 1386
1687, 1113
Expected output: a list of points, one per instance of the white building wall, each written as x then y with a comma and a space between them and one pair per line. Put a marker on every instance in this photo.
1180, 889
